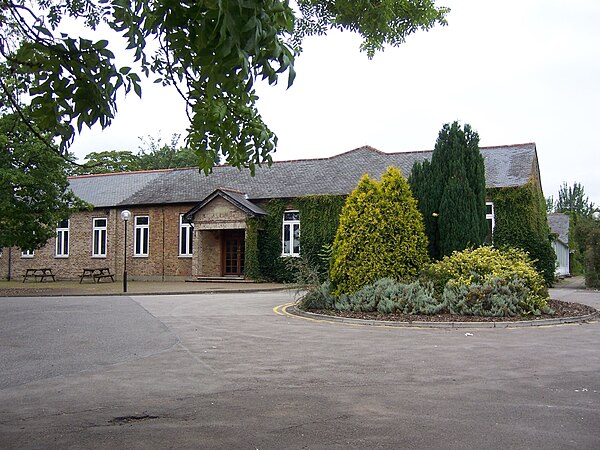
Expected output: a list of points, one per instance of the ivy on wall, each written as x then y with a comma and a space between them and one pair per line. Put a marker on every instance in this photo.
319, 219
271, 265
521, 222
251, 263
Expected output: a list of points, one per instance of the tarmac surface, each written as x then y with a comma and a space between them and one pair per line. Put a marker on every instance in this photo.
229, 370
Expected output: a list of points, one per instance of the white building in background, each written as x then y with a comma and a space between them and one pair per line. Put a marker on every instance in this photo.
559, 225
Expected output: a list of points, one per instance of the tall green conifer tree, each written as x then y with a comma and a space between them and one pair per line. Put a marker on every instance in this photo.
450, 191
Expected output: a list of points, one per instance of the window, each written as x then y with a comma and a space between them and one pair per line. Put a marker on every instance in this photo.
62, 239
491, 221
27, 253
99, 238
291, 233
141, 236
186, 236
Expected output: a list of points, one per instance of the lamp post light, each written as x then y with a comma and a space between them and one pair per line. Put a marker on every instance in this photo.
125, 215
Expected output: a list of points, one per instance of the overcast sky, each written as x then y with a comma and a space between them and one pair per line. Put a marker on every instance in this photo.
518, 71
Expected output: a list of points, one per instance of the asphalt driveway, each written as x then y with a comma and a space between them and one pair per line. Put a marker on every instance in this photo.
226, 371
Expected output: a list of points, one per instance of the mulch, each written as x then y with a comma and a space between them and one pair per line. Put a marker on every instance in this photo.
562, 309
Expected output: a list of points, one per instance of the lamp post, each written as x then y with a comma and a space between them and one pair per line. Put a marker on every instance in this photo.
125, 215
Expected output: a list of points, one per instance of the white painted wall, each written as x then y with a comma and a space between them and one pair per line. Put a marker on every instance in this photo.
562, 258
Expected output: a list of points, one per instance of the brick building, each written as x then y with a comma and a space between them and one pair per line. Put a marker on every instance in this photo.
184, 224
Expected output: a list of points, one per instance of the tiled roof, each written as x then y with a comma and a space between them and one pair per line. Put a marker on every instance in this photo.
511, 165
111, 189
559, 224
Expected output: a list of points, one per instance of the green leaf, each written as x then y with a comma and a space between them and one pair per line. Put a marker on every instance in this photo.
44, 31
100, 45
137, 89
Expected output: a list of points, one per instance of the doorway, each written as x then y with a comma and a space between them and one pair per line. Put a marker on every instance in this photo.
233, 253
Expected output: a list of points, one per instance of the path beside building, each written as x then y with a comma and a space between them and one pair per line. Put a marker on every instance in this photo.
66, 288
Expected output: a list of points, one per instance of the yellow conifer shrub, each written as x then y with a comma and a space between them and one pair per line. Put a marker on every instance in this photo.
381, 235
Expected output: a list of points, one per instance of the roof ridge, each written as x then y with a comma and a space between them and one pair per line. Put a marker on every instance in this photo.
326, 158
90, 175
226, 189
409, 152
481, 148
509, 145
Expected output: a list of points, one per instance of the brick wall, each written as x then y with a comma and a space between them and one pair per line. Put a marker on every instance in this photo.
4, 257
163, 260
207, 253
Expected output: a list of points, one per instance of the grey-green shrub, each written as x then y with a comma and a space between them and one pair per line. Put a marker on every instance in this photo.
386, 306
342, 303
421, 299
490, 297
367, 299
495, 297
385, 295
317, 297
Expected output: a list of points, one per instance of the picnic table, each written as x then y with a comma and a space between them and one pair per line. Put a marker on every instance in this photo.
96, 274
39, 274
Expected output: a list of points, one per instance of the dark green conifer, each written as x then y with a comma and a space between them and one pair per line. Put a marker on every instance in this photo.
458, 232
450, 191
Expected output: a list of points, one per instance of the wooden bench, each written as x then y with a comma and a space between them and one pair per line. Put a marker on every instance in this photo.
96, 274
39, 274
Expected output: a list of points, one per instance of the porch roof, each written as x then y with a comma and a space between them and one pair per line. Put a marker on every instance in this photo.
237, 199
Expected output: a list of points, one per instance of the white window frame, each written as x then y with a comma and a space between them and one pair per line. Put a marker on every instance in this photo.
291, 225
141, 237
492, 216
61, 249
186, 238
27, 253
99, 238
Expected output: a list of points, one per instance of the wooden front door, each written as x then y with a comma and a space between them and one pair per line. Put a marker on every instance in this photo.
233, 253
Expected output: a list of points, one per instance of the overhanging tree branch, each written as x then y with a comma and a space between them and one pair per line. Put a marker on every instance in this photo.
214, 46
